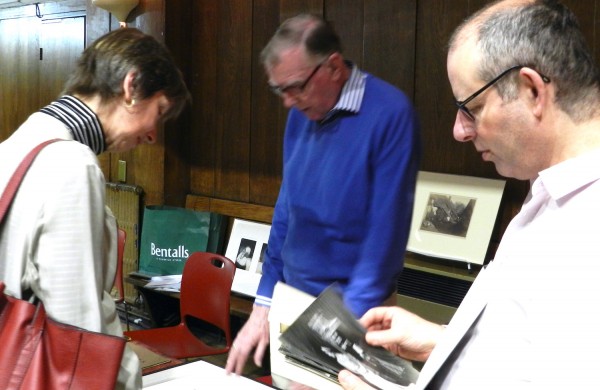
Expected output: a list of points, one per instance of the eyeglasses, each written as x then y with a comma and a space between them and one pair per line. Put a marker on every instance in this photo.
295, 89
462, 106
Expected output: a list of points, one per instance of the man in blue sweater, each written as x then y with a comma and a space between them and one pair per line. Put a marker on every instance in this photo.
351, 156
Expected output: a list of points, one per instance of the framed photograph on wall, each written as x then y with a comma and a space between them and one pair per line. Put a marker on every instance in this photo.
453, 216
246, 248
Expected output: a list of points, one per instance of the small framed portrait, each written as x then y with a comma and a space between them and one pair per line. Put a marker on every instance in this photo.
244, 254
453, 216
246, 248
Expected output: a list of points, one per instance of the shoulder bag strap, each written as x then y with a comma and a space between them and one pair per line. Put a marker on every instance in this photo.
17, 177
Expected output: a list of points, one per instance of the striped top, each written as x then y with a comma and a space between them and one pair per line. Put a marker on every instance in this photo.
81, 121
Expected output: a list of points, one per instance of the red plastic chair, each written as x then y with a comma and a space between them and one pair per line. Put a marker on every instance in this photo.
205, 296
267, 380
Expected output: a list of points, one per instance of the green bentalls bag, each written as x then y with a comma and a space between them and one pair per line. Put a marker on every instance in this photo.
171, 234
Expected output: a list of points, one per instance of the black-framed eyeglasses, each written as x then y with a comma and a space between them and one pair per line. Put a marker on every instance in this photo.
462, 105
295, 89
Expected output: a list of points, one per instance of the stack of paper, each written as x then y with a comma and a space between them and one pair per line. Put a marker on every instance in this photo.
165, 283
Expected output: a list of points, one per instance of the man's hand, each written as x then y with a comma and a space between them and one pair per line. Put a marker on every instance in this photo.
349, 381
254, 335
402, 332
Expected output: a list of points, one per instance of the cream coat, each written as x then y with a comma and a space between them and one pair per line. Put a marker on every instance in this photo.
59, 238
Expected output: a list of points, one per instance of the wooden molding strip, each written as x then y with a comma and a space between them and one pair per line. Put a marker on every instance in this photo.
253, 212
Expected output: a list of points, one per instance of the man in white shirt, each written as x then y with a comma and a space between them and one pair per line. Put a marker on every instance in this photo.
528, 97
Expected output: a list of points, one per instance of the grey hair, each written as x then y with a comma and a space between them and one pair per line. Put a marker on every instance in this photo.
544, 35
314, 34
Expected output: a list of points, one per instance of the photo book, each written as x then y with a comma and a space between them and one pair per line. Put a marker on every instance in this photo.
326, 338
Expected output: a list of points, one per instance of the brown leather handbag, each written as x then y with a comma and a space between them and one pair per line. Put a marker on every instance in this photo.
37, 352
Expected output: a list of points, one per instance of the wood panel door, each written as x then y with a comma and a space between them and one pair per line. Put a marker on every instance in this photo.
18, 72
38, 55
61, 42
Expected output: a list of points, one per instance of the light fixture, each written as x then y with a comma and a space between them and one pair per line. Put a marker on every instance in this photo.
119, 8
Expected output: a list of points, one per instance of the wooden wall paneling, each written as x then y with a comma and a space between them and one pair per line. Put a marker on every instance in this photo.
268, 113
230, 208
267, 121
595, 44
178, 24
347, 18
62, 41
45, 9
233, 100
289, 8
587, 15
220, 67
433, 95
389, 41
145, 168
434, 102
149, 17
203, 87
97, 23
19, 79
146, 163
22, 90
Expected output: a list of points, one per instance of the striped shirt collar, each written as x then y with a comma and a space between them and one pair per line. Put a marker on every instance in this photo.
352, 93
81, 121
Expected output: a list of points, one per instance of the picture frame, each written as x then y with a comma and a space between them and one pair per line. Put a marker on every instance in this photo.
246, 248
453, 216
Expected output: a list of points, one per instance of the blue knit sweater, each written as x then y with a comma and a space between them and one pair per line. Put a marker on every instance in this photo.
344, 208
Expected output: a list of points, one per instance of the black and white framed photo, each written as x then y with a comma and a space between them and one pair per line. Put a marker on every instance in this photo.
246, 248
453, 216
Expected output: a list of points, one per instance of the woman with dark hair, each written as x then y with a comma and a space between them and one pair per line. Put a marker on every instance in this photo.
59, 240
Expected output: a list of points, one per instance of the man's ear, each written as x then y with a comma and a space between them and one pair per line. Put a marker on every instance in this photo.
129, 86
336, 64
538, 90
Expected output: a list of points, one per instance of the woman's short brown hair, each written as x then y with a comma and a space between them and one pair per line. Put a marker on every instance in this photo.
102, 68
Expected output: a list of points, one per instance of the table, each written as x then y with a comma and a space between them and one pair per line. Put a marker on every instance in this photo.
164, 305
198, 375
151, 360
